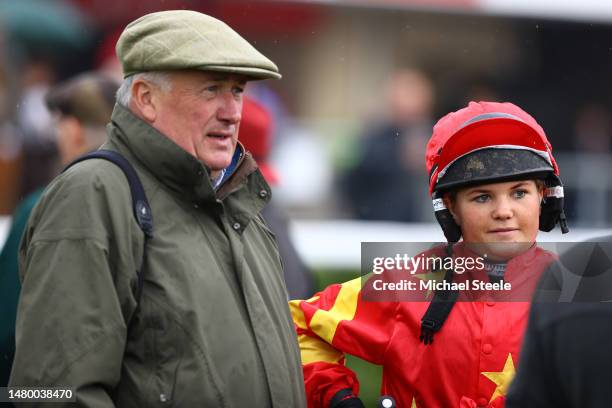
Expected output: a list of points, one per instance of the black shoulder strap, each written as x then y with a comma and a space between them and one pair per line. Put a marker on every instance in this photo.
140, 204
440, 306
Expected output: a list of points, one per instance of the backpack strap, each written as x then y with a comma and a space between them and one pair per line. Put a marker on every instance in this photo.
140, 204
439, 307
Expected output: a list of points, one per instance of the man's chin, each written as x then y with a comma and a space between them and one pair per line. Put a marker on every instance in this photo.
216, 163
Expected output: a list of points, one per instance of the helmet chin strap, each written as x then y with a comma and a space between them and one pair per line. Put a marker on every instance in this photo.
451, 230
552, 207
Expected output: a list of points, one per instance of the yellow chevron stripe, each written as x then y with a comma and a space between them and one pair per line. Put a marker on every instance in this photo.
298, 314
315, 350
324, 323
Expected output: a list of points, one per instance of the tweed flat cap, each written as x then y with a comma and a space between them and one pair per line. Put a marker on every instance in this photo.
184, 39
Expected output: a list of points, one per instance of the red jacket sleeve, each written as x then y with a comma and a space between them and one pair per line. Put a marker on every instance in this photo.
333, 322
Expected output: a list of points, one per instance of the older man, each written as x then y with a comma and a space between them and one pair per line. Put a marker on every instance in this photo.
211, 326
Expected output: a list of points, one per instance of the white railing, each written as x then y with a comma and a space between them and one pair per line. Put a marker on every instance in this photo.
588, 177
337, 244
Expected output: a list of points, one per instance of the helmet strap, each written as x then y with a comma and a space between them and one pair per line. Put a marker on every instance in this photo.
451, 230
552, 206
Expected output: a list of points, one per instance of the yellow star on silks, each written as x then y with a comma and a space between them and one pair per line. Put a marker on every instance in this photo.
501, 378
437, 276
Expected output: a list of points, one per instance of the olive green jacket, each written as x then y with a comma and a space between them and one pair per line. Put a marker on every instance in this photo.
212, 328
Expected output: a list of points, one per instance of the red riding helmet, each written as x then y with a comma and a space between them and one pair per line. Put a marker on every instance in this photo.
491, 142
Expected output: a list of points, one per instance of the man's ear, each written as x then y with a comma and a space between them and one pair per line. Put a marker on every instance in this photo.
143, 100
448, 203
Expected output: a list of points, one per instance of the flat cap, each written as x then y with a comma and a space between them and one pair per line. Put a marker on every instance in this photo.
185, 39
89, 97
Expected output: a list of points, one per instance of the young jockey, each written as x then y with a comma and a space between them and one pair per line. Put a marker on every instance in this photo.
494, 182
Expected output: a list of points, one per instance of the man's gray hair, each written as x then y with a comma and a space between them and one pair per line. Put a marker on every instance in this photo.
158, 78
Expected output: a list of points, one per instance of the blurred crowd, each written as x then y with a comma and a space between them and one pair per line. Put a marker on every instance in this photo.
371, 168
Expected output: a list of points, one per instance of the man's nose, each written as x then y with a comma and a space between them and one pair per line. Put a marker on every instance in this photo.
503, 209
230, 108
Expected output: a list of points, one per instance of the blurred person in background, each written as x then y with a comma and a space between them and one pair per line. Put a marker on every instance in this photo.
494, 183
256, 131
34, 123
204, 321
10, 142
81, 107
593, 143
44, 40
593, 129
385, 181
